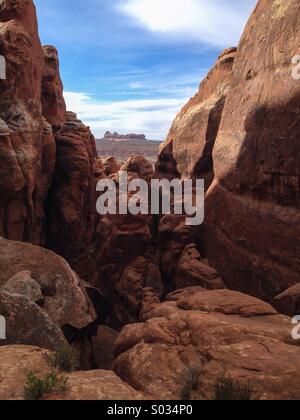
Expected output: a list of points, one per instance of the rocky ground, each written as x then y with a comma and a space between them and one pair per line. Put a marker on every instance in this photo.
152, 307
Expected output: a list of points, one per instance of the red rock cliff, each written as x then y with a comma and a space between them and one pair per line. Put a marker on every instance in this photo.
27, 147
241, 133
252, 209
48, 158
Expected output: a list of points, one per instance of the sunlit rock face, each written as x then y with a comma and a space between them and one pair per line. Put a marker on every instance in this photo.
252, 208
187, 151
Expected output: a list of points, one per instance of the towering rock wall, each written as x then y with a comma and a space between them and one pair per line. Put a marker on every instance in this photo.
252, 209
27, 146
48, 158
241, 134
71, 203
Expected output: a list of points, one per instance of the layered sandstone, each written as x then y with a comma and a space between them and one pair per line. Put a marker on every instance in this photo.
210, 334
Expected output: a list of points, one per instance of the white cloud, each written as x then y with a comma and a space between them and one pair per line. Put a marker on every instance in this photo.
136, 85
214, 22
150, 116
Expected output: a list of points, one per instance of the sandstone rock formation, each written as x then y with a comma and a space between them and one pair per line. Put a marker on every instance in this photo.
125, 254
288, 302
192, 136
39, 140
54, 106
240, 133
28, 324
111, 166
103, 345
17, 361
139, 166
117, 136
71, 202
97, 385
252, 209
71, 214
214, 333
28, 270
27, 146
181, 263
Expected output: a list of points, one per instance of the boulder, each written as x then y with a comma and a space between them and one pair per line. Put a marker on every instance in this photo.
140, 166
181, 263
64, 300
28, 324
288, 302
111, 166
23, 284
192, 271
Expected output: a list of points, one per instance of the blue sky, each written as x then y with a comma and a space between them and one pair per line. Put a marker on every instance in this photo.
130, 65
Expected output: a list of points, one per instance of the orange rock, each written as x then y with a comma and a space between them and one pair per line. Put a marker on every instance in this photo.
17, 361
253, 206
27, 147
190, 142
216, 334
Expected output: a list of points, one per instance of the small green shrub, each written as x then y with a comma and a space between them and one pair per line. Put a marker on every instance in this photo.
190, 382
228, 389
66, 359
36, 388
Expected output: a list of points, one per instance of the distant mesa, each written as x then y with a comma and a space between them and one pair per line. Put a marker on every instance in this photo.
123, 147
117, 136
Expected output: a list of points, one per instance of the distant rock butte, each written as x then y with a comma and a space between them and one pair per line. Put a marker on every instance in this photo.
116, 136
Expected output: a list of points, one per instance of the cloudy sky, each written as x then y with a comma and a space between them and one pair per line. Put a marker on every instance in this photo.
129, 65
